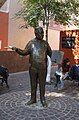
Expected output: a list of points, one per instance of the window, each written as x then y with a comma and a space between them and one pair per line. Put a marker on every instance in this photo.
68, 42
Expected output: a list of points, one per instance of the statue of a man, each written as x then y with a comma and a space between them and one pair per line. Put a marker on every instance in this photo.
37, 49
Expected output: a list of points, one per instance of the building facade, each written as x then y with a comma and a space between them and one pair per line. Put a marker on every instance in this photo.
13, 34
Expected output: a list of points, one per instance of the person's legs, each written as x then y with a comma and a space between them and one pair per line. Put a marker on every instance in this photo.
2, 81
62, 81
6, 81
42, 80
33, 83
77, 78
4, 73
57, 80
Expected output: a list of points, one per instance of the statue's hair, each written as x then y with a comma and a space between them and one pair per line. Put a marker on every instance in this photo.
38, 29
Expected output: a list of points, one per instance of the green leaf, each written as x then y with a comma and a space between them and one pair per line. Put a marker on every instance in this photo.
60, 11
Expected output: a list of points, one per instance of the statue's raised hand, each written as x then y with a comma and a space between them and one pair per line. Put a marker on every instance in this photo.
14, 48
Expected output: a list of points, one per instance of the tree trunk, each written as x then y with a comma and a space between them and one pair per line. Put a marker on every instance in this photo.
46, 30
46, 22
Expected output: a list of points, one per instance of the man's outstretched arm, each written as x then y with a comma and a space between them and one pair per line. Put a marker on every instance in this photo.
24, 52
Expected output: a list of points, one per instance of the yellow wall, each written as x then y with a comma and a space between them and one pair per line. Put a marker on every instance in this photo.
53, 39
16, 36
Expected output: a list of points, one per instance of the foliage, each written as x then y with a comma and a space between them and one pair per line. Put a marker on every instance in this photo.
2, 2
61, 11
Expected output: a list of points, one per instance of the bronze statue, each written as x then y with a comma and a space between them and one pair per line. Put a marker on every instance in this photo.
37, 49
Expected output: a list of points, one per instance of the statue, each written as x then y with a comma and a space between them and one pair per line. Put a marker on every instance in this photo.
37, 49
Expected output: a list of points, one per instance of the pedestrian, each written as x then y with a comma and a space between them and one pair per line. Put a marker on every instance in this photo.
4, 73
37, 49
62, 73
74, 71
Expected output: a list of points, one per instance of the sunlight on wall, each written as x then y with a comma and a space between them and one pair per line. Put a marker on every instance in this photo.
53, 39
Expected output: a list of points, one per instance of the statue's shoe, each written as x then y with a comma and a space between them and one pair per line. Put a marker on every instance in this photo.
31, 102
44, 103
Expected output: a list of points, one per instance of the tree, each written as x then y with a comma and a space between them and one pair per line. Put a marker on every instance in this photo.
61, 11
2, 2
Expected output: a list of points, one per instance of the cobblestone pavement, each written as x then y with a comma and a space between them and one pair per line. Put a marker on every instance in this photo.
62, 104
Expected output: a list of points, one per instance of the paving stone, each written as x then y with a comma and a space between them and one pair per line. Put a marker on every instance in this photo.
62, 105
23, 110
28, 119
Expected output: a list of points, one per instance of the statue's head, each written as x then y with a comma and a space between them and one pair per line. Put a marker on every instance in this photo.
39, 33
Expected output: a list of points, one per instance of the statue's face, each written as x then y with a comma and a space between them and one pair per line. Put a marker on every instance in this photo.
39, 33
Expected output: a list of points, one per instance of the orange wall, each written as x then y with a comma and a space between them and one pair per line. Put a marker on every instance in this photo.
3, 30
